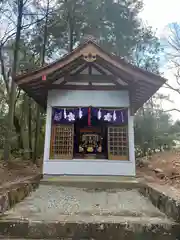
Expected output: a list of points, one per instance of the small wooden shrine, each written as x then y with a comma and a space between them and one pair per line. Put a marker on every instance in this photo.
90, 97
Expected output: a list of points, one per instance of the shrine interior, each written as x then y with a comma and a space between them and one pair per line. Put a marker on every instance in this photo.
78, 133
90, 141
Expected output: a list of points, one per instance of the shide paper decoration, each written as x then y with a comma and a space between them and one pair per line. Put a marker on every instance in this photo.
70, 115
112, 116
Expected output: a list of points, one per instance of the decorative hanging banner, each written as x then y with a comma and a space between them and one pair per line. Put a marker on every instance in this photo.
67, 115
70, 115
89, 116
116, 116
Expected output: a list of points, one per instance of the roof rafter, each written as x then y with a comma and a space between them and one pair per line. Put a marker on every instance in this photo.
99, 69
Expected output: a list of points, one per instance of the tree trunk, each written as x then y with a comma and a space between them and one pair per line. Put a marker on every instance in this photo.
24, 127
37, 132
38, 120
30, 128
70, 34
12, 98
18, 132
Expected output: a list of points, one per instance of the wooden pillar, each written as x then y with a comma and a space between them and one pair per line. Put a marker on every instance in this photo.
131, 140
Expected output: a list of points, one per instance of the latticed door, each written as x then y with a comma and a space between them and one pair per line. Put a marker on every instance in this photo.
62, 142
117, 143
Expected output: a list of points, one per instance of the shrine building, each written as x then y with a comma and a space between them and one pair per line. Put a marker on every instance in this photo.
90, 97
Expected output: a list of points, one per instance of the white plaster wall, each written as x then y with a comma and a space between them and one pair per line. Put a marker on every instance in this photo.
90, 167
87, 98
94, 166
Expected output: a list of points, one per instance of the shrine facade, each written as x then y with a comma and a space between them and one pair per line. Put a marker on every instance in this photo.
90, 97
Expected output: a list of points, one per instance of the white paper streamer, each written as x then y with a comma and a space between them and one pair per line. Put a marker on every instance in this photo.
122, 116
114, 116
99, 115
80, 113
65, 114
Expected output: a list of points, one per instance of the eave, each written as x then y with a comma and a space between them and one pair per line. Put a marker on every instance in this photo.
69, 69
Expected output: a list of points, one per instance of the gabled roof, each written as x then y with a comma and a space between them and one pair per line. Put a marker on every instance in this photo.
140, 83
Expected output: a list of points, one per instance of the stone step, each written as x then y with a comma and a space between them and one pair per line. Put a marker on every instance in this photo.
56, 212
81, 230
103, 182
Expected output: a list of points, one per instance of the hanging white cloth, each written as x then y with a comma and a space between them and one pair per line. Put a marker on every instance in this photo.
99, 115
122, 117
114, 116
71, 117
65, 114
80, 113
107, 117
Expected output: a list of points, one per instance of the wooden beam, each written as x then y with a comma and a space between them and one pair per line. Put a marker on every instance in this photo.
41, 100
87, 87
129, 76
99, 69
84, 66
52, 76
66, 73
131, 91
85, 49
91, 78
36, 87
44, 84
90, 73
53, 67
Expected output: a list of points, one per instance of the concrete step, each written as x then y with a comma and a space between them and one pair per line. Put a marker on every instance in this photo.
91, 230
103, 182
56, 212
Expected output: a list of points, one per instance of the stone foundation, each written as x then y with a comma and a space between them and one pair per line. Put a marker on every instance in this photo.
12, 193
78, 231
163, 200
127, 223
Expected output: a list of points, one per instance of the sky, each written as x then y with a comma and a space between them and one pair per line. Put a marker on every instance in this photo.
159, 14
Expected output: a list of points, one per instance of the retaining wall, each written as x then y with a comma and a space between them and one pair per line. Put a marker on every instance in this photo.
12, 193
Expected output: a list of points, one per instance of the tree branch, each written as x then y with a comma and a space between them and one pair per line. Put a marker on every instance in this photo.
171, 110
172, 88
4, 40
3, 72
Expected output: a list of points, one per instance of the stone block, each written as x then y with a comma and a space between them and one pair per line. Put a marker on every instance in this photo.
166, 204
4, 203
12, 228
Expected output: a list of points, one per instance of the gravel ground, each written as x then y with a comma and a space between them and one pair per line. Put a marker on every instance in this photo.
54, 203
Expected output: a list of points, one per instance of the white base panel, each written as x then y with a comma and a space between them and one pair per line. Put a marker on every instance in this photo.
89, 167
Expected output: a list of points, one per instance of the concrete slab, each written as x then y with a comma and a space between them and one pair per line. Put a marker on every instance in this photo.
77, 213
56, 203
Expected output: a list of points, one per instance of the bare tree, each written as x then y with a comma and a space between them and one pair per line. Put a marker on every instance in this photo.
7, 148
45, 36
173, 55
30, 17
173, 59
